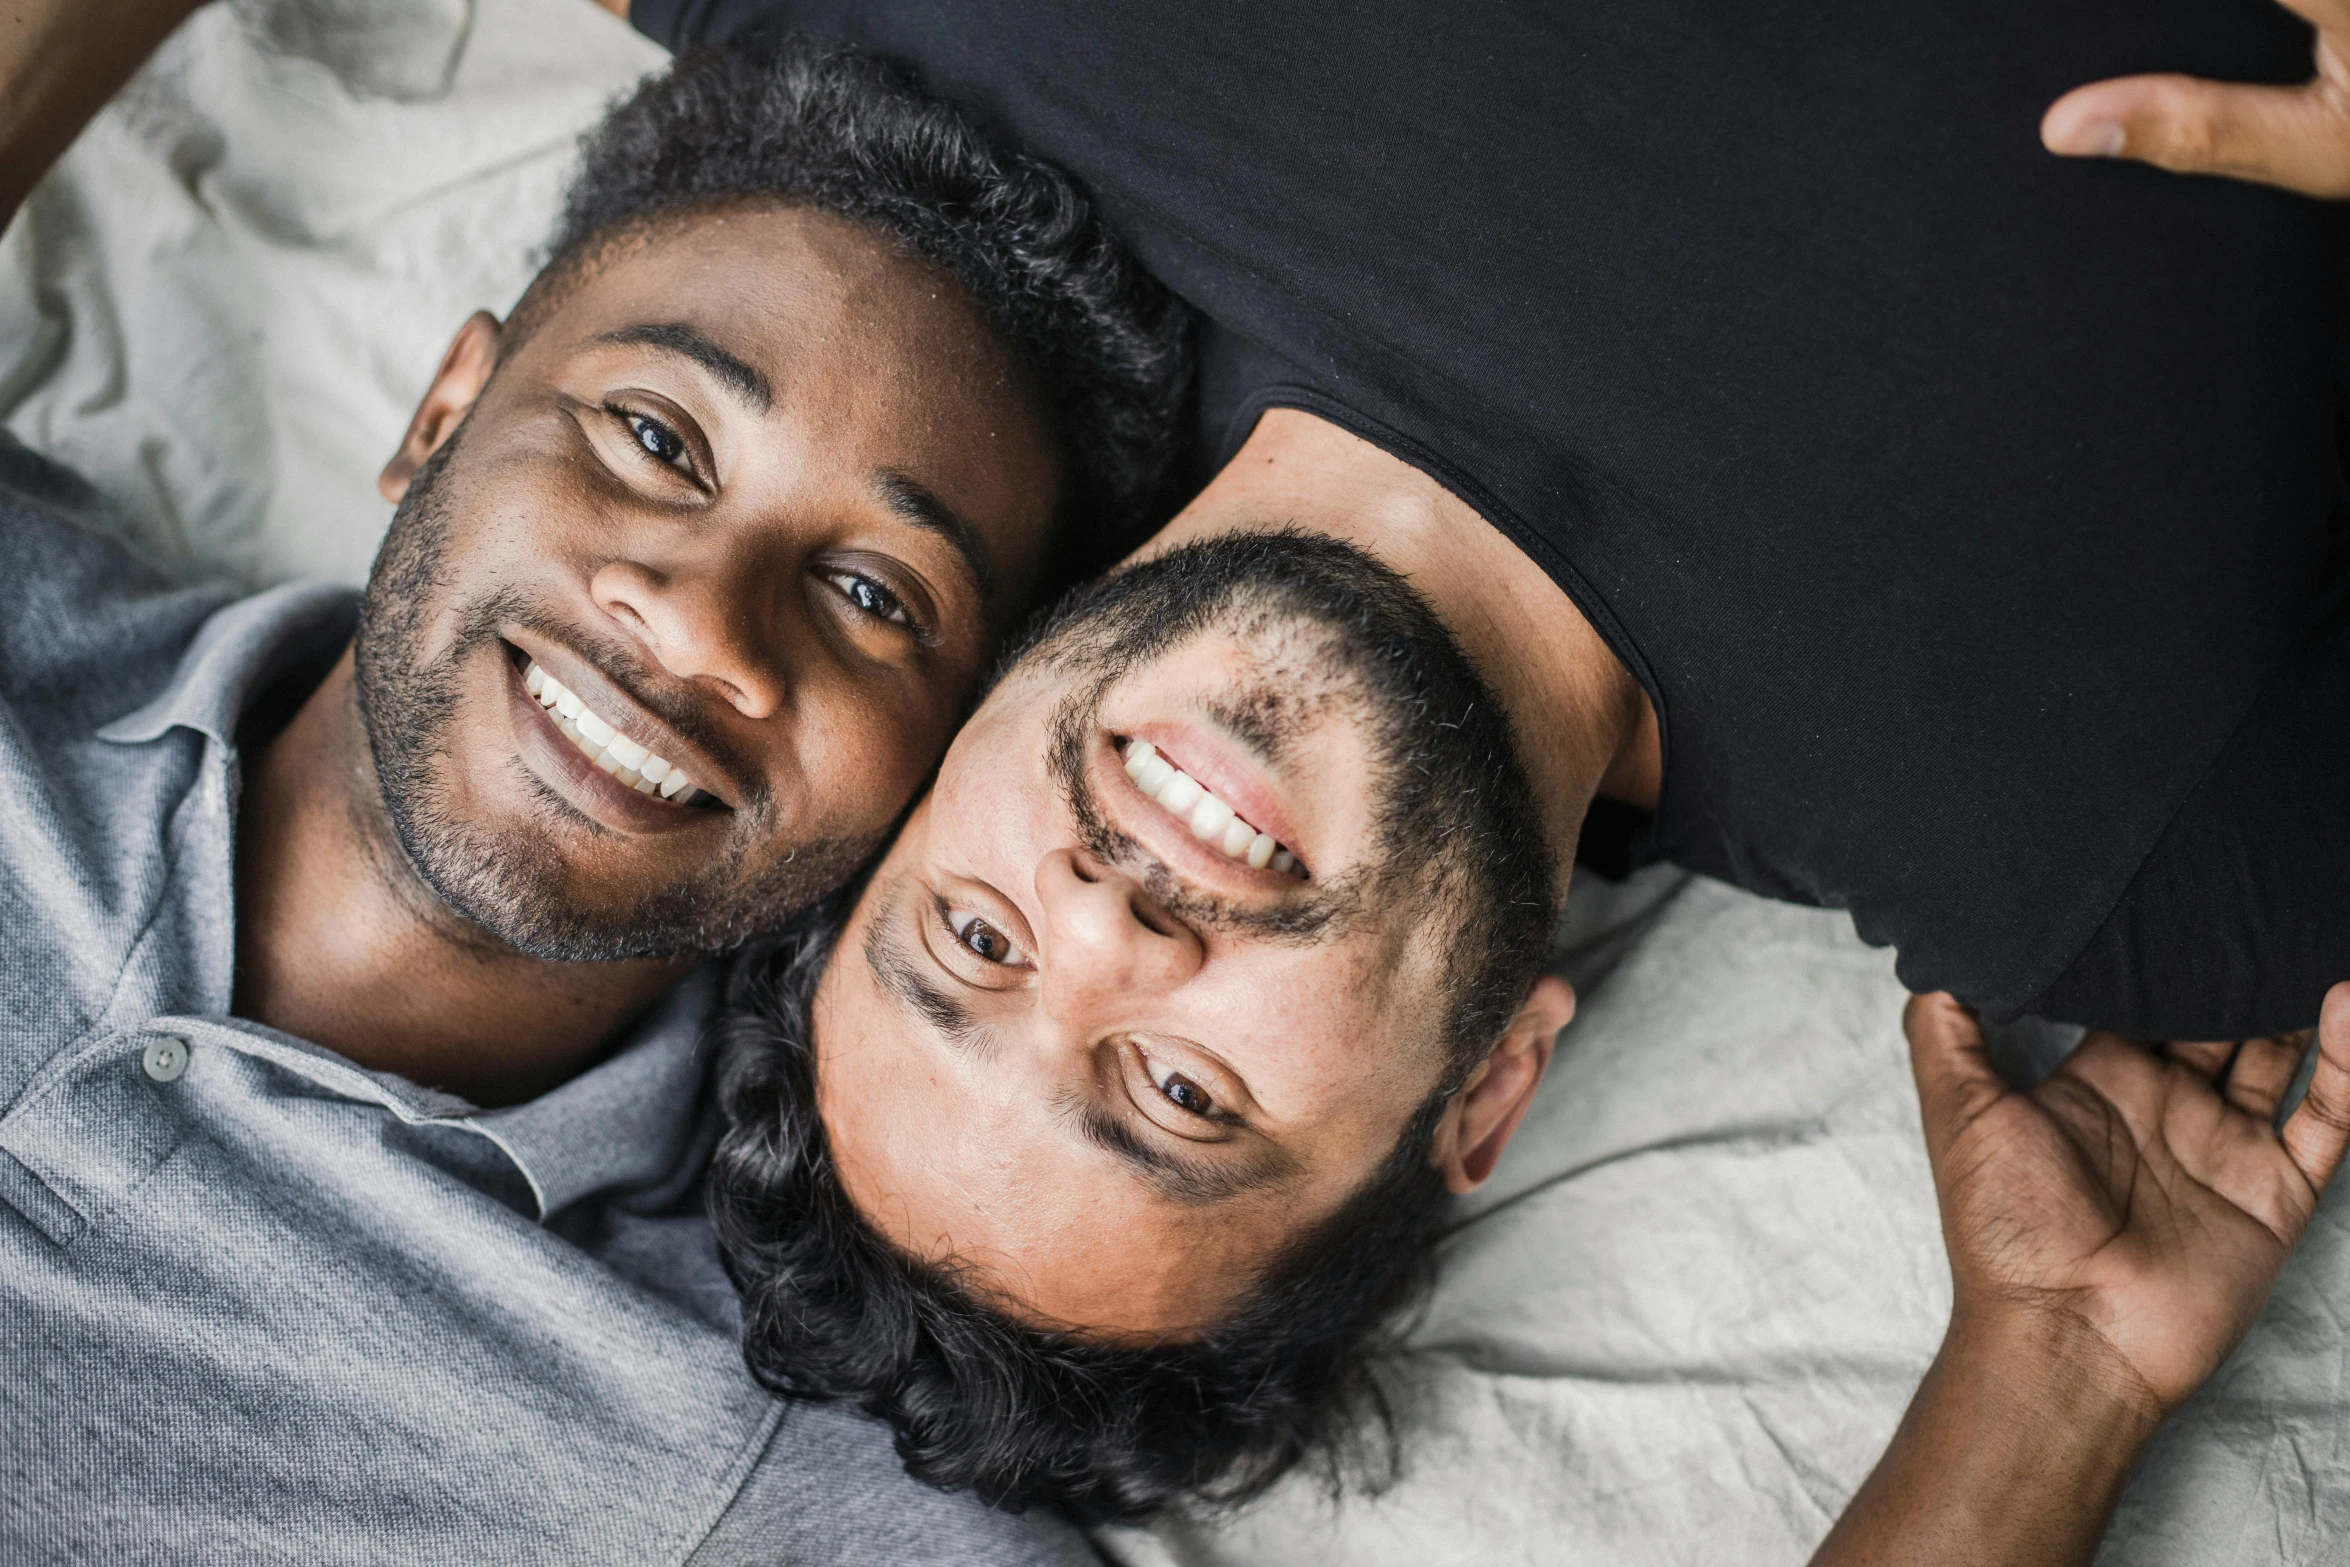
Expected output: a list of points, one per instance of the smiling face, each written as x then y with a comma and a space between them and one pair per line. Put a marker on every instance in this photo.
665, 635
1088, 1038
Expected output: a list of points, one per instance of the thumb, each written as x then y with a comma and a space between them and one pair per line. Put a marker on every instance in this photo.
2316, 1134
1952, 1066
2296, 137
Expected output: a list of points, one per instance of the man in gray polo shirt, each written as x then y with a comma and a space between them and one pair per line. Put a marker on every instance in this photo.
351, 1110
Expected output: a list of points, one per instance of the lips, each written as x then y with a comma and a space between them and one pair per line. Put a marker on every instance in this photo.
1203, 814
635, 765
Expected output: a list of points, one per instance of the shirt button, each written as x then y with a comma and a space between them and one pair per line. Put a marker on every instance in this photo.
165, 1058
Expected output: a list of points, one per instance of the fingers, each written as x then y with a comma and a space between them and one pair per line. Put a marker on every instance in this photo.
2262, 1072
2319, 1130
1952, 1066
2208, 1057
2297, 137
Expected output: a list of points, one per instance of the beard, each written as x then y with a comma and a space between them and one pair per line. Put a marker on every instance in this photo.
1459, 830
513, 879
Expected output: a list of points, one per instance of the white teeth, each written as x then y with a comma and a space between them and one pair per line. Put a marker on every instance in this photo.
1208, 818
1180, 793
600, 742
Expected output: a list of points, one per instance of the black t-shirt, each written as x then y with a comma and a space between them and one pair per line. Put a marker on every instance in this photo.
1954, 503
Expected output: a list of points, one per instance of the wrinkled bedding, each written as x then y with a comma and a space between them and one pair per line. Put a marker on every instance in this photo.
1686, 1314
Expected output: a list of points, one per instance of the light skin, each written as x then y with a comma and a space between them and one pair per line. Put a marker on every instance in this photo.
2294, 137
2082, 1319
976, 1153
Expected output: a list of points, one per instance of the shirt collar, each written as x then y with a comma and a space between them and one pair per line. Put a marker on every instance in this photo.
234, 656
631, 1122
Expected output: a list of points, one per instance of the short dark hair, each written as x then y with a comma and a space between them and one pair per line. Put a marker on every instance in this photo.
1105, 1432
1020, 1415
783, 119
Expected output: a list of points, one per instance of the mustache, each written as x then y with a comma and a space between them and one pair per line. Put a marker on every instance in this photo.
1336, 906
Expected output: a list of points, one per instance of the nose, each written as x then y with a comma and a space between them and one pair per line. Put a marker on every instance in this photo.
1105, 942
704, 624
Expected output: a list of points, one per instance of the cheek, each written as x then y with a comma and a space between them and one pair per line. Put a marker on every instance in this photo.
868, 745
1363, 1065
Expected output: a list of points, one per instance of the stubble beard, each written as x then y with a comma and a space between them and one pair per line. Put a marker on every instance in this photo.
512, 880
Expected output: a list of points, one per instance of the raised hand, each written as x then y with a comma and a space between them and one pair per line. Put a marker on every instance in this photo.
2141, 1194
2297, 137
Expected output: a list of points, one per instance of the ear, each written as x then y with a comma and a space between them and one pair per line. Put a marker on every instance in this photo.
1483, 1115
465, 370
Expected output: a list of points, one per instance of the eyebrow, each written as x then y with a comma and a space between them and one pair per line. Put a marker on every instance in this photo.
918, 504
897, 975
745, 380
1179, 1180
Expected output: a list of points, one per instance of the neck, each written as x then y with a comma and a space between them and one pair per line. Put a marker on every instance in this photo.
340, 942
1583, 724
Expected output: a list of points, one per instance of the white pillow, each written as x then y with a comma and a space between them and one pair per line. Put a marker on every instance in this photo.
224, 302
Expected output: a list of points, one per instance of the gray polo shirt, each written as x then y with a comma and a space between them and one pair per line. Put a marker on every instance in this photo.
258, 1304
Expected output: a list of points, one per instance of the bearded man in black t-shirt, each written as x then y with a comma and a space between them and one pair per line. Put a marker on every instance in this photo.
1950, 533
1734, 416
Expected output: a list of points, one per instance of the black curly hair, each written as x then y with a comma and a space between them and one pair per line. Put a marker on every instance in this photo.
1103, 1431
779, 118
1025, 1417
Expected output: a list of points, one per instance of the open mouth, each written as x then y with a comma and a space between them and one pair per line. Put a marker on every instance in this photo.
630, 764
1209, 819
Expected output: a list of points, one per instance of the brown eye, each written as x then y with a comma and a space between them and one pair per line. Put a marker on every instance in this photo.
660, 442
1181, 1092
871, 597
982, 940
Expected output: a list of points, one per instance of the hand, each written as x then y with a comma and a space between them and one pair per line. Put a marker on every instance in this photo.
2297, 137
2140, 1194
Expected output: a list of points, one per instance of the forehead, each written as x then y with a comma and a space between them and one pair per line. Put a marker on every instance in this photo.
824, 307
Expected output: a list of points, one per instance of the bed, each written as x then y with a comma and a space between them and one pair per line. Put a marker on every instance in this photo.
1683, 1318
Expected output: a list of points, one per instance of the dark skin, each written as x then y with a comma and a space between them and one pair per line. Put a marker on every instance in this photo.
789, 477
743, 548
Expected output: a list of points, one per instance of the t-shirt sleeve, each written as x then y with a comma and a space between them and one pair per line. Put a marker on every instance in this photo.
2238, 922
